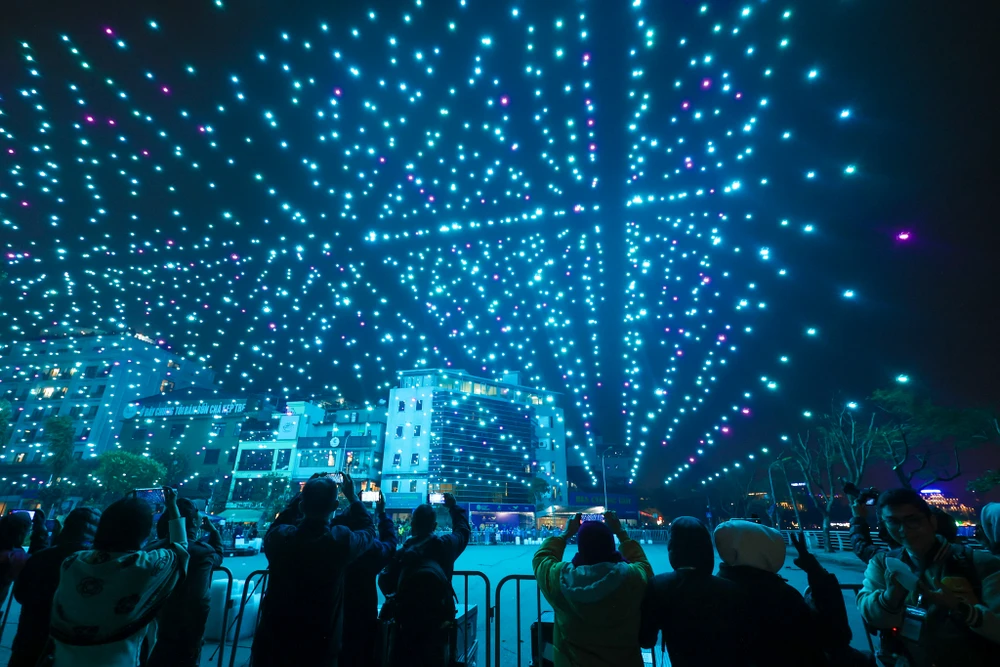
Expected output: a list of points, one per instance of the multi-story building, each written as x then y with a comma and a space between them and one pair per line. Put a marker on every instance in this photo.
484, 440
288, 446
89, 376
197, 431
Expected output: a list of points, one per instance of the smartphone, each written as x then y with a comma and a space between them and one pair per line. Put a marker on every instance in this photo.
435, 498
338, 477
369, 496
593, 517
152, 496
871, 501
30, 513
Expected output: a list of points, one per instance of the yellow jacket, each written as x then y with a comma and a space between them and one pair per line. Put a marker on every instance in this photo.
597, 607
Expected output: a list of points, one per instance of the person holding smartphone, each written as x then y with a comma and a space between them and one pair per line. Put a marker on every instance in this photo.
308, 556
108, 596
180, 625
361, 594
597, 598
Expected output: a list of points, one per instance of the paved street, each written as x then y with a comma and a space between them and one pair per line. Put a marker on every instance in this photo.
497, 562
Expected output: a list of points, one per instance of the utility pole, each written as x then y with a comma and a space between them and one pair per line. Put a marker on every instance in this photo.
604, 474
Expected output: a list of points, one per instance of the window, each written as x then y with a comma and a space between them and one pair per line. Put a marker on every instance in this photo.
395, 485
139, 433
413, 486
166, 385
256, 460
29, 435
284, 457
415, 460
416, 431
84, 434
98, 391
397, 459
354, 417
177, 429
420, 405
76, 412
92, 412
77, 456
211, 457
20, 458
37, 415
402, 406
218, 429
399, 431
90, 372
37, 458
173, 364
317, 458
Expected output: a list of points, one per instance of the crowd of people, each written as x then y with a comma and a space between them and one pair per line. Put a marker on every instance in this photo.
934, 601
103, 594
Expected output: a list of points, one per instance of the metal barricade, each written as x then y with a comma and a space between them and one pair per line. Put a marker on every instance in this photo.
538, 617
466, 575
243, 605
6, 612
856, 588
225, 612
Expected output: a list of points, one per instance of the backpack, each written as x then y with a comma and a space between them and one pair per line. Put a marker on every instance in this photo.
424, 595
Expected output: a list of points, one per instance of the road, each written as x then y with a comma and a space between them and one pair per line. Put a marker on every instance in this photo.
497, 562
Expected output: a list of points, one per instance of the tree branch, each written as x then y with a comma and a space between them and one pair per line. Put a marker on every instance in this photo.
958, 471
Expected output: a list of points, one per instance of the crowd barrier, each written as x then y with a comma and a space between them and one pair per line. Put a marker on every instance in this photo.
228, 604
840, 540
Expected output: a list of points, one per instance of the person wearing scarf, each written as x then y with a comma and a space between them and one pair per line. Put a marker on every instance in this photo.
596, 598
693, 608
107, 596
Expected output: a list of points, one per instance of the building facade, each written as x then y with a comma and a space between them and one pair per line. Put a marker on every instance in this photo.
289, 446
91, 377
482, 439
194, 432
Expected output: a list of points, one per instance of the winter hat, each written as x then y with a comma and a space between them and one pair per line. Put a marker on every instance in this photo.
748, 543
990, 521
595, 544
690, 545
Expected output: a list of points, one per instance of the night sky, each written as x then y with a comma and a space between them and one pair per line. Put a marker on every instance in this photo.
602, 195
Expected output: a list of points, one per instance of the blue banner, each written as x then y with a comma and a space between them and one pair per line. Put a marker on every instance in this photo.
619, 502
500, 507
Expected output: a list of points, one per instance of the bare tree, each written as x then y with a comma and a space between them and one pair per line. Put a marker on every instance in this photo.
815, 459
918, 438
855, 443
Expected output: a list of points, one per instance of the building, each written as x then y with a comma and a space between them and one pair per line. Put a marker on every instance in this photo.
281, 448
89, 376
482, 439
195, 431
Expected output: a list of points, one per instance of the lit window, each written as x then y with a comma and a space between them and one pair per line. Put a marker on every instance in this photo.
415, 460
397, 459
395, 486
399, 431
402, 406
416, 431
413, 486
420, 405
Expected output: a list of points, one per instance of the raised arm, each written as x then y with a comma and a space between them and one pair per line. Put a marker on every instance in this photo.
631, 551
545, 564
460, 530
360, 537
177, 527
39, 535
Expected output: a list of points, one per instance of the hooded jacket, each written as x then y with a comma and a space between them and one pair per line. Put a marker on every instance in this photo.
597, 607
989, 520
693, 608
783, 629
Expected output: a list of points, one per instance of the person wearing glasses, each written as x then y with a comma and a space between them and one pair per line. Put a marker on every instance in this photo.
940, 600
